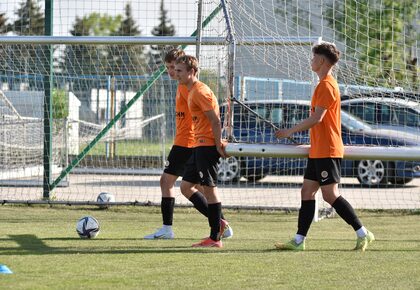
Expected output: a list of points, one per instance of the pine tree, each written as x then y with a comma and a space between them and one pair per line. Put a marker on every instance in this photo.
156, 54
164, 28
90, 59
3, 48
129, 59
85, 60
30, 19
3, 20
27, 59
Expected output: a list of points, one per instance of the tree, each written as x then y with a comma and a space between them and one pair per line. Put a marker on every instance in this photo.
60, 104
128, 59
84, 61
90, 59
3, 48
3, 20
164, 28
297, 12
30, 19
380, 36
27, 59
215, 83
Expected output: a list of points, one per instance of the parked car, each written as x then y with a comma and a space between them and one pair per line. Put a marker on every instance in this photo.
248, 128
386, 113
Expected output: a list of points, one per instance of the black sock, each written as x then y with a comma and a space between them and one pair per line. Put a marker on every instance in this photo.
167, 208
200, 203
306, 215
215, 210
346, 212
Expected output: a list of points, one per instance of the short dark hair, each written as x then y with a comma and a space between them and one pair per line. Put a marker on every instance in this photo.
190, 61
173, 54
329, 50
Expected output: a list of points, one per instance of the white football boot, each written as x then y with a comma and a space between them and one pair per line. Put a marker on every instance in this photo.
165, 233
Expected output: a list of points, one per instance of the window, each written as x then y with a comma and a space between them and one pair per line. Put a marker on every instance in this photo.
387, 115
277, 116
365, 111
295, 114
406, 117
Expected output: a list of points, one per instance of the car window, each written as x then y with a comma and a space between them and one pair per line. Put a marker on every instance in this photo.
270, 112
295, 114
277, 115
261, 110
406, 117
364, 111
387, 115
353, 123
369, 113
413, 118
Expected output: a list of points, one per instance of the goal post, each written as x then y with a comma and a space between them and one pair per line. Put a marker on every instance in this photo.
408, 153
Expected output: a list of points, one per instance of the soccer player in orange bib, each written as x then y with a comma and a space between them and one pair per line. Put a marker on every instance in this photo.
202, 166
325, 154
178, 156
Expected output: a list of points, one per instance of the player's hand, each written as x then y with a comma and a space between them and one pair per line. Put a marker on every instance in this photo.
222, 149
283, 133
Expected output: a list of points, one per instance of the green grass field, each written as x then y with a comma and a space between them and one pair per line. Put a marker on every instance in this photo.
40, 245
132, 148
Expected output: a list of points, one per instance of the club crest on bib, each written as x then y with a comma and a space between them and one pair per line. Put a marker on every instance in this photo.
201, 174
324, 174
166, 163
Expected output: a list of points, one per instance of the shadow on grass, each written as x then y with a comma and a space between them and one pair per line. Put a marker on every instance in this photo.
32, 245
243, 184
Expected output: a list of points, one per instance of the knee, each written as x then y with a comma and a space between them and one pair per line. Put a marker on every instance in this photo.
330, 200
186, 188
329, 197
166, 183
307, 194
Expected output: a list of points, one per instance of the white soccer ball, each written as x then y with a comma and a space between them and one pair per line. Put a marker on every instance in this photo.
87, 227
105, 197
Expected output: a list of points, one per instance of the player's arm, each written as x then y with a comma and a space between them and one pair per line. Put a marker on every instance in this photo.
217, 131
315, 118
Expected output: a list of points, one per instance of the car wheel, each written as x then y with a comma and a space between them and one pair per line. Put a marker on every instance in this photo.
254, 178
229, 169
372, 172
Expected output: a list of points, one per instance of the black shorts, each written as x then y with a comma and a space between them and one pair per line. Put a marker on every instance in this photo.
177, 158
202, 167
324, 170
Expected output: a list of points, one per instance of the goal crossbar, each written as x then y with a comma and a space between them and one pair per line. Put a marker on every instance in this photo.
153, 40
302, 151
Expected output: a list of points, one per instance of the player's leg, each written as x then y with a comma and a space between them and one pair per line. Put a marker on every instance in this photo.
189, 185
346, 212
305, 217
173, 169
194, 193
330, 193
307, 209
214, 218
197, 198
207, 166
167, 205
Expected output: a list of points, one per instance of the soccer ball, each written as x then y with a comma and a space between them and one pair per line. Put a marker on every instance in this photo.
105, 197
87, 227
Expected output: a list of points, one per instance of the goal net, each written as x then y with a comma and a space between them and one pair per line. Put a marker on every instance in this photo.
378, 77
259, 55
